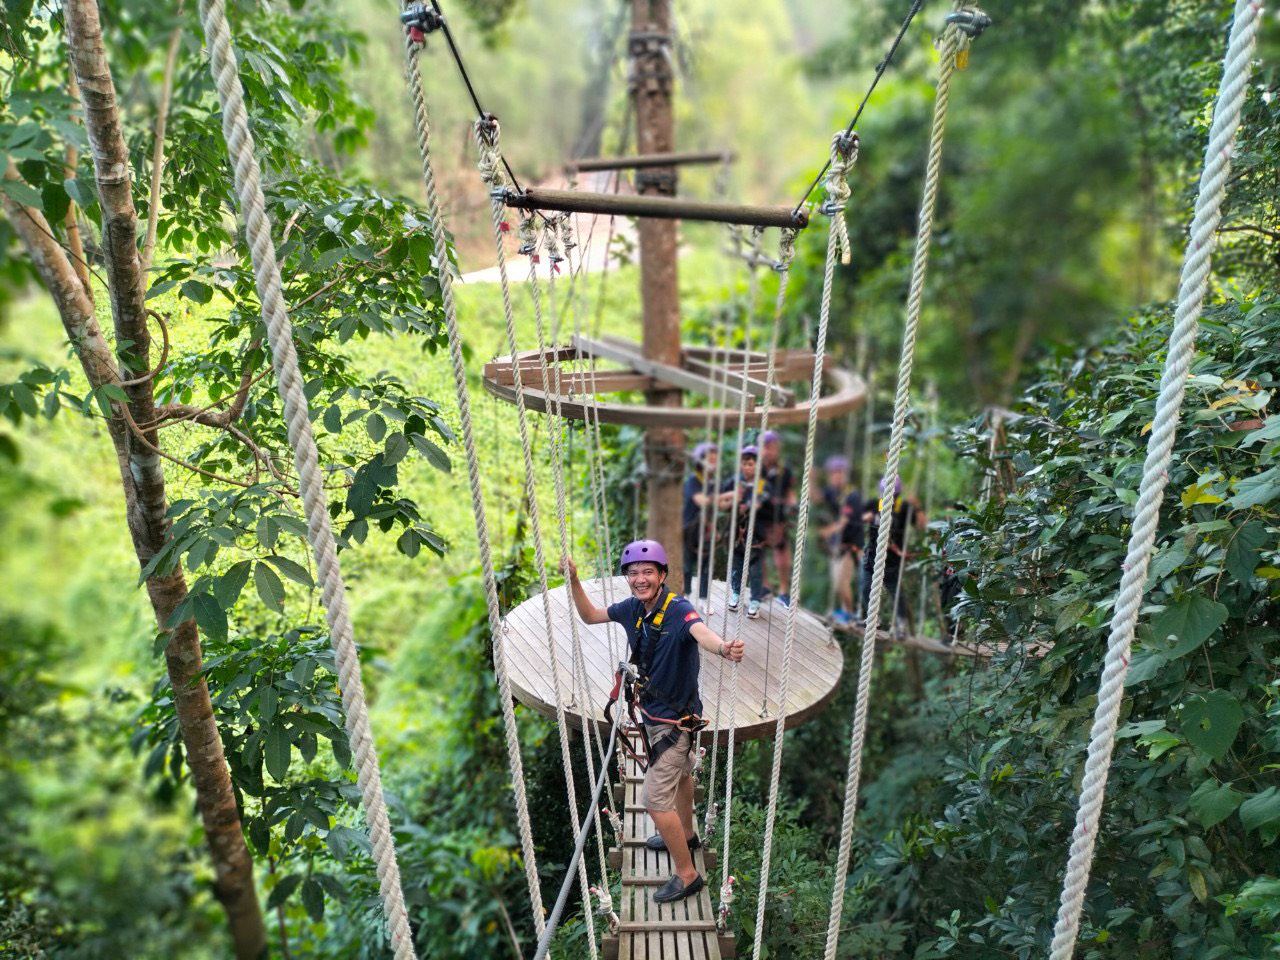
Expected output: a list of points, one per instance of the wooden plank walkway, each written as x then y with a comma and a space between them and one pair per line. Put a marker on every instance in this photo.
684, 930
815, 666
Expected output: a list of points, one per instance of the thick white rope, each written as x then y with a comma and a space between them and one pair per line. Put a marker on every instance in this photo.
487, 134
844, 153
1237, 66
953, 41
551, 244
786, 253
445, 278
284, 357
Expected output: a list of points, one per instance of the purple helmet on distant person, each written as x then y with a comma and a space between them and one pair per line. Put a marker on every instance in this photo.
643, 550
770, 436
836, 462
897, 485
701, 450
751, 450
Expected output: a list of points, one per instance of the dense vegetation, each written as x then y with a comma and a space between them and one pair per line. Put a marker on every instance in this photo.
1075, 144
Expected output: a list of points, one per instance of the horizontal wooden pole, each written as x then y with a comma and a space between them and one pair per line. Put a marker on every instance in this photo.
722, 373
660, 208
628, 353
637, 161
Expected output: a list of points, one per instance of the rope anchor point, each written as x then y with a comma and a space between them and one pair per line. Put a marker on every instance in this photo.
420, 20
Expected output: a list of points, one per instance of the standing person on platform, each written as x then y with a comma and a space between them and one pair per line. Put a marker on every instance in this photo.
751, 489
664, 632
906, 513
699, 498
843, 535
776, 513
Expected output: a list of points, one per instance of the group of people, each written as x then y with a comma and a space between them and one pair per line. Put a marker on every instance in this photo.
762, 480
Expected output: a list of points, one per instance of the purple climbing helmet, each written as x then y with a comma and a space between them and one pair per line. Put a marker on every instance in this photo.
897, 485
770, 436
643, 550
836, 462
751, 450
701, 450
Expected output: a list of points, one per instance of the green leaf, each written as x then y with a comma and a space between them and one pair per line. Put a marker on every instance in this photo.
292, 569
420, 250
1210, 721
333, 419
277, 750
270, 589
25, 399
435, 456
228, 586
396, 450
1069, 616
1256, 490
1146, 664
22, 192
376, 427
268, 530
55, 201
1260, 809
1189, 621
1213, 802
283, 890
1242, 554
77, 193
210, 616
197, 291
260, 836
313, 900
268, 701
360, 497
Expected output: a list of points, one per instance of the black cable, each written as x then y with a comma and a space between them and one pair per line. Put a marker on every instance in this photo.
880, 71
466, 79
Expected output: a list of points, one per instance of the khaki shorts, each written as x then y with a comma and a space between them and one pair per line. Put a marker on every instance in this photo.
663, 778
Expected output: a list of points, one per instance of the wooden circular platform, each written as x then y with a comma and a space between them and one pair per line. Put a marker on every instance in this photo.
815, 666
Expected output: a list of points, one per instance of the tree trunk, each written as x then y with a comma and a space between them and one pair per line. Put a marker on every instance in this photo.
141, 475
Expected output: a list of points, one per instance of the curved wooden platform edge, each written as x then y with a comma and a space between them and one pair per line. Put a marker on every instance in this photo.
849, 393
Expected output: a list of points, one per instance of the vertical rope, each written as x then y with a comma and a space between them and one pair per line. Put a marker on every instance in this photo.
1237, 65
284, 357
461, 391
953, 42
487, 133
844, 152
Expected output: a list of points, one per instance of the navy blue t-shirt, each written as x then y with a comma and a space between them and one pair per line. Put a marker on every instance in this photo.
693, 484
672, 687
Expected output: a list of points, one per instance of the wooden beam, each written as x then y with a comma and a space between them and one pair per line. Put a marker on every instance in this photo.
655, 207
726, 374
572, 384
623, 352
637, 161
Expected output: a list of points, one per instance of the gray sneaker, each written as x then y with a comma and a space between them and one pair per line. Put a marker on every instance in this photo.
676, 889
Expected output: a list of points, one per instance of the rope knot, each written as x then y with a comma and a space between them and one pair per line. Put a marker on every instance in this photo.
488, 133
528, 238
786, 250
844, 154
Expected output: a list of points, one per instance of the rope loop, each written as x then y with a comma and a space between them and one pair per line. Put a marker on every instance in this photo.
488, 133
528, 237
963, 26
844, 154
786, 250
726, 900
604, 908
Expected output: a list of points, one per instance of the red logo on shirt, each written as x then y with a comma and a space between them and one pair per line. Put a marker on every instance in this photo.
692, 616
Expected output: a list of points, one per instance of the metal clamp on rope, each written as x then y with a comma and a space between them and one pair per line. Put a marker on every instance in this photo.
970, 21
419, 20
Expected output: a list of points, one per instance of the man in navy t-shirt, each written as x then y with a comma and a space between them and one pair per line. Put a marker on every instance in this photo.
664, 631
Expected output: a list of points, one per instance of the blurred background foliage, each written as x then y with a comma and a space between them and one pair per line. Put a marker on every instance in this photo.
1075, 141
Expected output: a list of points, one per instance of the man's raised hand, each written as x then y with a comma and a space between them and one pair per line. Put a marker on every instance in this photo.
733, 650
569, 567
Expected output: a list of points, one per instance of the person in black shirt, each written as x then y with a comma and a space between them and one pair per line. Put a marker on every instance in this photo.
776, 512
664, 632
699, 497
843, 535
906, 513
751, 489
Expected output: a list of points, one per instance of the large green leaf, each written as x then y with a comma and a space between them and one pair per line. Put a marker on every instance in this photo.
270, 589
1256, 490
1260, 809
277, 749
1242, 555
1210, 721
1188, 622
292, 569
210, 616
1213, 802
